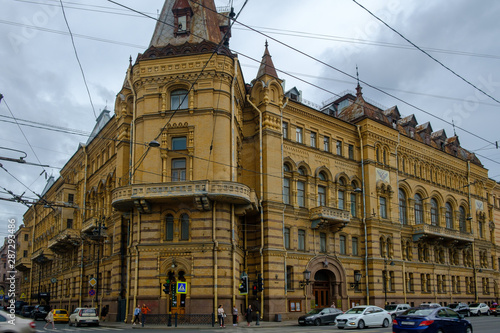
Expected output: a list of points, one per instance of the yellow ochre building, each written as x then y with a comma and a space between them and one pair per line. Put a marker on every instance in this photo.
202, 178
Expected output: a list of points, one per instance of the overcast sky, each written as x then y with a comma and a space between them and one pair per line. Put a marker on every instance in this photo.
41, 80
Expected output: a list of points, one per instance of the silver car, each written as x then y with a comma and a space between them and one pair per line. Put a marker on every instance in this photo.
84, 316
479, 309
20, 325
362, 316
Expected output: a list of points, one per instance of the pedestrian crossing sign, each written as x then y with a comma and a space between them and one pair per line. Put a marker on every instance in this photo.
181, 287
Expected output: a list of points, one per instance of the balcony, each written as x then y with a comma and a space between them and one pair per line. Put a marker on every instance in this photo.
42, 256
23, 264
65, 240
89, 225
326, 217
445, 236
202, 192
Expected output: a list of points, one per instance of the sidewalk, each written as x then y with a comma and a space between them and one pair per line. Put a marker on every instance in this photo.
241, 324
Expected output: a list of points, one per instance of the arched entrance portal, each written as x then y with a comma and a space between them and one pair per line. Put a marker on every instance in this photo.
328, 283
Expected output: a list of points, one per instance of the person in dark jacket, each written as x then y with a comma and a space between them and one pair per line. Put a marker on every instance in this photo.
249, 315
104, 312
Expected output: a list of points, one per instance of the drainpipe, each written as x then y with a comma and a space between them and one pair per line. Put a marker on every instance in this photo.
136, 248
473, 240
284, 207
260, 204
364, 215
216, 261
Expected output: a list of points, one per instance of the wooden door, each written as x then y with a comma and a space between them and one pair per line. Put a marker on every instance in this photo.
321, 293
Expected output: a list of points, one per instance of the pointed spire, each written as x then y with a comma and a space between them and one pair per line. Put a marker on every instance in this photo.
358, 87
266, 65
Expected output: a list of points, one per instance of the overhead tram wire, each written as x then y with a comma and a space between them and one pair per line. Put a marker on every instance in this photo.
426, 53
355, 78
78, 59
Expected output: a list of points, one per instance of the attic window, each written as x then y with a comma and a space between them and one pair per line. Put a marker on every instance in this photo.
294, 97
182, 17
181, 24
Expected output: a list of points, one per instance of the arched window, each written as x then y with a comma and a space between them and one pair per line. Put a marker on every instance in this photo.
184, 227
286, 184
461, 219
322, 190
341, 196
419, 209
449, 216
322, 176
169, 230
377, 153
434, 212
179, 99
402, 207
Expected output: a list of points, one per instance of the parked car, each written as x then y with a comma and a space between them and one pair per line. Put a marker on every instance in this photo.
26, 310
363, 316
461, 308
40, 312
396, 309
86, 316
320, 316
479, 309
60, 315
496, 310
431, 320
22, 325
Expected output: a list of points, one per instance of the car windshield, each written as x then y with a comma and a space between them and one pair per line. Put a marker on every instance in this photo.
355, 311
61, 312
452, 306
314, 311
88, 312
473, 305
418, 312
391, 307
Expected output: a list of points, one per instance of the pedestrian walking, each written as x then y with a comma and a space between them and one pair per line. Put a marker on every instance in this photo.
144, 310
50, 320
137, 313
221, 315
249, 315
104, 312
235, 315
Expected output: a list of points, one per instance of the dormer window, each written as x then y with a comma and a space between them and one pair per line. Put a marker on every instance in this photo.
182, 17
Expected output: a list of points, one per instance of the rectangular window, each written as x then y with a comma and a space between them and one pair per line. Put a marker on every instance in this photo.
342, 244
326, 143
26, 237
170, 229
287, 238
341, 200
313, 139
285, 130
383, 208
353, 205
302, 240
69, 223
25, 253
71, 198
351, 151
321, 196
322, 242
179, 100
339, 147
301, 194
355, 246
298, 135
179, 143
410, 282
286, 191
178, 169
289, 277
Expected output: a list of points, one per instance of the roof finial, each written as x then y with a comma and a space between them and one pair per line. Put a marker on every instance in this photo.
358, 87
266, 44
453, 124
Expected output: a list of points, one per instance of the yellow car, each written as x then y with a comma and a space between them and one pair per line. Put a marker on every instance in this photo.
60, 315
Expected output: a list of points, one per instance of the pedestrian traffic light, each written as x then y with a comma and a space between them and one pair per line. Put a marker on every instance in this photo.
243, 285
260, 283
254, 288
166, 288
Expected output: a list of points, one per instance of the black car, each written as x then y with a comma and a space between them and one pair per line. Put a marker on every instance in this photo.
461, 308
26, 310
39, 312
320, 316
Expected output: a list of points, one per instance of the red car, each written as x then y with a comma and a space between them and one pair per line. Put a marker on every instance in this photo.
495, 310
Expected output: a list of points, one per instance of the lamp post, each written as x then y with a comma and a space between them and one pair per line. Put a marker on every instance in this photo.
306, 281
357, 278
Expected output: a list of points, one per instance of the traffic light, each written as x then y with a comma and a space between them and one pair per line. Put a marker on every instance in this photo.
243, 285
254, 288
260, 283
166, 288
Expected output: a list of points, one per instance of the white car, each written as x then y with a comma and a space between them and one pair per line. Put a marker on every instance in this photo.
362, 316
85, 316
21, 325
396, 309
479, 309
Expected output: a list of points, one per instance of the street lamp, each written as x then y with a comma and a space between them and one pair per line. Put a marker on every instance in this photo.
357, 278
306, 281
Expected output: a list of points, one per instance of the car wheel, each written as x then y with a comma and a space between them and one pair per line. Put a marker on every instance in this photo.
77, 324
469, 329
385, 323
317, 322
440, 331
340, 328
361, 324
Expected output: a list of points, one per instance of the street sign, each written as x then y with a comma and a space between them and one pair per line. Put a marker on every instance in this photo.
23, 295
91, 292
181, 287
93, 282
1, 292
53, 280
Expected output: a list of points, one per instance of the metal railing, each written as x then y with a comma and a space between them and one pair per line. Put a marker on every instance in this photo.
180, 319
